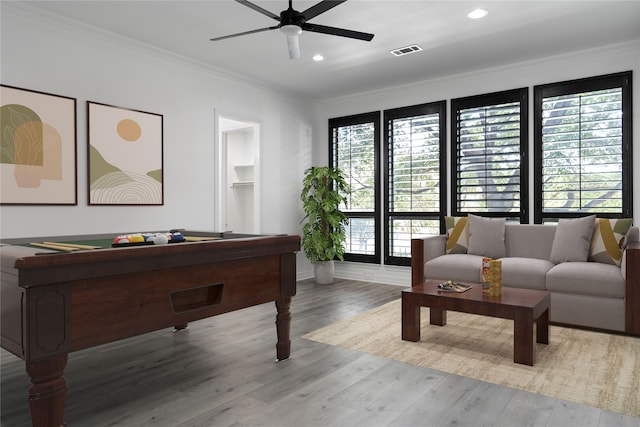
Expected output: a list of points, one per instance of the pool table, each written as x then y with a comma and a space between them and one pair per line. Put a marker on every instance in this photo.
56, 301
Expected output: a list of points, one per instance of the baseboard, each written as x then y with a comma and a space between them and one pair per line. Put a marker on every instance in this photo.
387, 274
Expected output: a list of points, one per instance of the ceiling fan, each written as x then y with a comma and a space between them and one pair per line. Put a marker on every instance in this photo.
292, 23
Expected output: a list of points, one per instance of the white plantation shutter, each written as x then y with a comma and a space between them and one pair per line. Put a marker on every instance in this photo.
490, 145
414, 164
489, 159
414, 142
355, 155
582, 152
354, 148
583, 148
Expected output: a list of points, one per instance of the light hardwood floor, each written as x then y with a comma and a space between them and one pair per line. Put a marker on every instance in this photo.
221, 372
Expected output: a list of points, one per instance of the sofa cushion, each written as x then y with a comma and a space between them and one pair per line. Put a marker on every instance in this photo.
529, 240
457, 234
587, 310
572, 240
486, 236
609, 239
458, 267
527, 273
586, 278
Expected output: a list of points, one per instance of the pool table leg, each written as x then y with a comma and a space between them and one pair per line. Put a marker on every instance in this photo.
180, 327
48, 391
283, 328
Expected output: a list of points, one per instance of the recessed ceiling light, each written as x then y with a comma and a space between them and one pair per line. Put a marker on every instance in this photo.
317, 57
477, 14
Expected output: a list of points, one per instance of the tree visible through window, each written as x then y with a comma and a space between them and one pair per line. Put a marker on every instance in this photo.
355, 142
582, 162
583, 148
415, 203
489, 160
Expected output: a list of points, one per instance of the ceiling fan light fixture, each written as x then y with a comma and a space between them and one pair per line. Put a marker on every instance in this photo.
293, 44
291, 30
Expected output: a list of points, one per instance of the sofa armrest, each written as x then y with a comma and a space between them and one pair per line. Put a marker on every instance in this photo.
423, 250
632, 291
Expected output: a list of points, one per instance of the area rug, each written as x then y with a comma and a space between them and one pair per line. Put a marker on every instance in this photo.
591, 368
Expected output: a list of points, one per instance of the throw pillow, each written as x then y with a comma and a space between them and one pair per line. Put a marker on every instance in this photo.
457, 234
572, 240
486, 237
609, 239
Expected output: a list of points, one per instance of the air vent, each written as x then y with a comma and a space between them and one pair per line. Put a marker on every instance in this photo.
406, 50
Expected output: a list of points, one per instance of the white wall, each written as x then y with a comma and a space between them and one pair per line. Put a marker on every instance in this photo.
604, 60
44, 54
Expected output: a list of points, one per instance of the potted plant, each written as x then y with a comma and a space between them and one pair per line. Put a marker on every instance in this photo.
324, 189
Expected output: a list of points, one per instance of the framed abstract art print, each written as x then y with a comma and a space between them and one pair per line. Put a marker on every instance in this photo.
124, 155
37, 148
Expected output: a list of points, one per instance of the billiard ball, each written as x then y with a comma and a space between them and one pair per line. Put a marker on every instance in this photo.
161, 239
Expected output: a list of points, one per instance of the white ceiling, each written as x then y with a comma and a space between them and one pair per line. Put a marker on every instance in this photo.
514, 31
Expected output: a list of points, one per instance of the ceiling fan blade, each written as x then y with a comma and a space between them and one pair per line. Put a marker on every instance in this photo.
259, 9
337, 31
319, 8
294, 47
244, 33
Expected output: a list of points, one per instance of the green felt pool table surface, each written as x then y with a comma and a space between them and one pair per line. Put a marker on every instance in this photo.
104, 241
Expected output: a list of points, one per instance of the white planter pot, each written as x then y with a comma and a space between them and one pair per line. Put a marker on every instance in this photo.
323, 272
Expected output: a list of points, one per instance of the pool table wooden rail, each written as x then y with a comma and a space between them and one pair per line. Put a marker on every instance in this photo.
51, 266
55, 303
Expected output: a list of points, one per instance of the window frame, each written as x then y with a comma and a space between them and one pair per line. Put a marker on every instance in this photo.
370, 117
440, 108
520, 95
622, 80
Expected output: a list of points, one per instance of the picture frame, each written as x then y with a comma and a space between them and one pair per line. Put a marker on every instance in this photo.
38, 148
124, 156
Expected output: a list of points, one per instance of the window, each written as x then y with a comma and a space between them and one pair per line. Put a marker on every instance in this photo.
415, 176
354, 148
489, 161
583, 148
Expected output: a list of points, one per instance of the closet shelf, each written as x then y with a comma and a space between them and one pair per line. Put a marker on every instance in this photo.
242, 184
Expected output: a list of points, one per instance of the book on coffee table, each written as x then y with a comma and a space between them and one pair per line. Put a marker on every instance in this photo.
450, 286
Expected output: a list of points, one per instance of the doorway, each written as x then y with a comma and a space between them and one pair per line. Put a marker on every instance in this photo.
239, 183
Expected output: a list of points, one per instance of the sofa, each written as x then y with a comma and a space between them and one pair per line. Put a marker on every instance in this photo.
590, 266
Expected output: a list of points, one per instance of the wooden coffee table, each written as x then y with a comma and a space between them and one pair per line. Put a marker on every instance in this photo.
528, 308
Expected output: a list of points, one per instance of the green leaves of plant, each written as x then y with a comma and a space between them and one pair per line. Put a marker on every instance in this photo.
324, 189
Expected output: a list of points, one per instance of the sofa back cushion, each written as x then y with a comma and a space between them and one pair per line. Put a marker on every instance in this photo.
536, 240
573, 239
486, 237
529, 240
